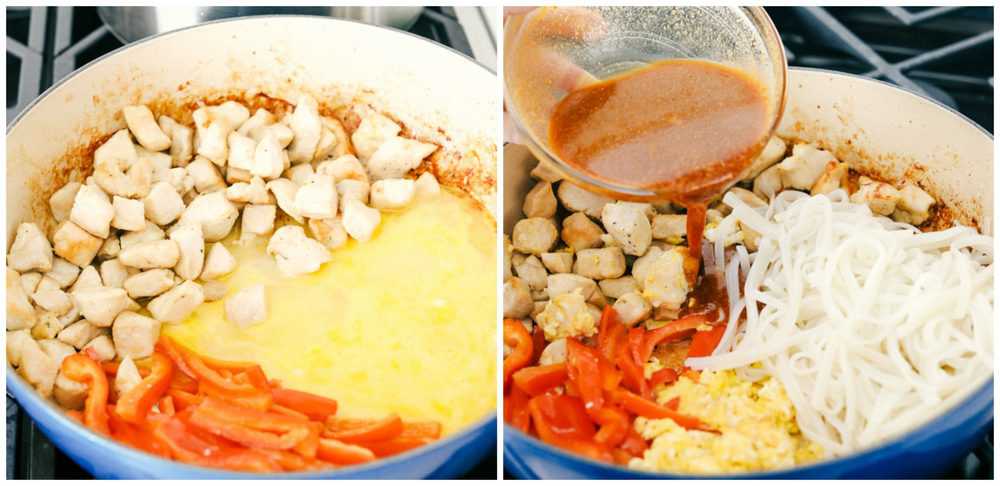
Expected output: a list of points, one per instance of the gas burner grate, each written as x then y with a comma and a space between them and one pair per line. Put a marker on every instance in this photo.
945, 53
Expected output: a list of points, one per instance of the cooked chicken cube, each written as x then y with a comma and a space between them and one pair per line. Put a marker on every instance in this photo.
52, 298
804, 166
112, 160
16, 341
600, 263
834, 177
580, 232
914, 205
177, 303
214, 290
247, 307
30, 280
768, 183
256, 124
205, 175
181, 140
241, 151
665, 284
329, 232
342, 145
567, 315
540, 201
564, 283
31, 250
360, 220
151, 254
163, 205
150, 233
632, 308
101, 348
149, 283
629, 225
74, 244
135, 335
295, 253
353, 189
670, 227
258, 219
92, 211
317, 198
113, 273
38, 368
558, 262
129, 214
61, 201
110, 248
397, 156
210, 141
880, 197
214, 212
191, 248
615, 288
344, 167
426, 186
554, 353
299, 174
234, 175
89, 279
392, 194
772, 153
284, 192
253, 192
218, 263
546, 172
78, 334
374, 129
143, 126
534, 235
517, 301
69, 394
576, 198
307, 127
326, 144
20, 313
269, 158
748, 197
642, 265
57, 350
532, 273
63, 272
101, 305
127, 377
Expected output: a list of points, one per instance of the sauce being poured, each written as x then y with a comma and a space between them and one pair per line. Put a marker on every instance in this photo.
682, 128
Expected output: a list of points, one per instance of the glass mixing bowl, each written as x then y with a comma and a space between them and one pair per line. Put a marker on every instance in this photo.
550, 50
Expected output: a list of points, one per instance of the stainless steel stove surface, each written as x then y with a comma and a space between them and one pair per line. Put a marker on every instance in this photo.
44, 45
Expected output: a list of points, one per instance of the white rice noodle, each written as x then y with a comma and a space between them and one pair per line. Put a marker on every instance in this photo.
871, 326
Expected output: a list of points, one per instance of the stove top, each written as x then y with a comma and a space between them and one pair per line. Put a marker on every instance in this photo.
44, 45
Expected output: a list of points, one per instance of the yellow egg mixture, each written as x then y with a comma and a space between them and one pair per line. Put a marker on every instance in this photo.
404, 323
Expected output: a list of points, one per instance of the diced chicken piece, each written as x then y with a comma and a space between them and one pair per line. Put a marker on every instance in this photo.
258, 219
112, 160
234, 175
151, 254
580, 232
373, 131
546, 172
149, 283
534, 235
615, 288
284, 192
558, 262
576, 198
57, 350
38, 368
241, 151
257, 123
30, 280
567, 315
914, 206
74, 244
181, 180
101, 348
191, 247
63, 272
159, 161
149, 233
127, 377
69, 394
768, 183
554, 353
205, 175
318, 198
177, 303
47, 283
295, 253
749, 198
329, 232
803, 168
214, 290
210, 142
247, 307
299, 174
31, 250
517, 301
326, 144
218, 263
143, 126
426, 186
342, 168
397, 157
632, 308
360, 220
269, 158
135, 335
113, 273
214, 213
163, 205
89, 279
629, 225
670, 227
532, 273
20, 313
92, 211
665, 284
392, 194
564, 283
540, 295
181, 140
61, 201
642, 265
834, 177
16, 341
129, 214
600, 263
231, 114
78, 334
352, 189
540, 201
110, 248
307, 127
772, 153
342, 145
101, 305
880, 197
52, 298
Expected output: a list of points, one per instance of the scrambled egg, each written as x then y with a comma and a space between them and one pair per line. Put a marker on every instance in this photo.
756, 420
404, 323
567, 315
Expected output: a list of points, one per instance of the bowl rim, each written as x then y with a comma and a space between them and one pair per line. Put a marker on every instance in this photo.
21, 392
889, 447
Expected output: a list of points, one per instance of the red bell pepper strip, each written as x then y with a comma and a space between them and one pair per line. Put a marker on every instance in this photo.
632, 375
166, 405
246, 435
374, 431
535, 380
287, 411
516, 411
583, 366
79, 367
183, 399
634, 444
308, 447
138, 401
673, 403
615, 425
561, 417
636, 337
610, 334
314, 406
538, 343
673, 331
338, 452
650, 409
415, 434
703, 343
662, 377
517, 337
